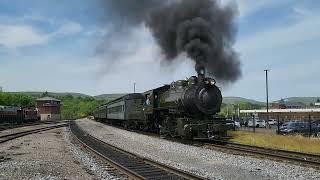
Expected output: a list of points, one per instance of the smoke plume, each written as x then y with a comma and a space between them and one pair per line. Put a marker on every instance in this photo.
203, 29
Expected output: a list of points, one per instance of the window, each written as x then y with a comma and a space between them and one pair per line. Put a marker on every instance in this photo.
116, 109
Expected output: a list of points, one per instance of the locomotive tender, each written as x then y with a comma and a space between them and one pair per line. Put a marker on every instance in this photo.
185, 108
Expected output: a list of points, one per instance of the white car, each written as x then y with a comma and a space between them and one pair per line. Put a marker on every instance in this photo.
237, 124
272, 121
258, 123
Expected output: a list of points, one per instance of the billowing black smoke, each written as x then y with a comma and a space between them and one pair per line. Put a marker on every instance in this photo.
201, 28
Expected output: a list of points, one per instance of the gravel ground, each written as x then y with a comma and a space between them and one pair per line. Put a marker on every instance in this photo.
48, 155
204, 162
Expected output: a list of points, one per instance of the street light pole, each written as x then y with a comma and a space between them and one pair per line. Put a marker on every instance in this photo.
267, 94
134, 87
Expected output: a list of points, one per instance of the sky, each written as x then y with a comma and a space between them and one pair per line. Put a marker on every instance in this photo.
48, 45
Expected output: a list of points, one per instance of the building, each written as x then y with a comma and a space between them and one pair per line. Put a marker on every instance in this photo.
49, 108
287, 105
285, 114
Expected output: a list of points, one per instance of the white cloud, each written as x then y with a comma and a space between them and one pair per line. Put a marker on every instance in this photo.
13, 36
248, 7
280, 37
69, 27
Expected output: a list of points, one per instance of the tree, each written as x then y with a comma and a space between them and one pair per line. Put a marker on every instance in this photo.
45, 94
17, 99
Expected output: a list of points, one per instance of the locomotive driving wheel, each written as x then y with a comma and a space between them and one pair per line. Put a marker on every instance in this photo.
168, 127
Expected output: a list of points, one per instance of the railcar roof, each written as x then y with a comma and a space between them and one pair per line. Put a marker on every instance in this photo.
126, 97
166, 86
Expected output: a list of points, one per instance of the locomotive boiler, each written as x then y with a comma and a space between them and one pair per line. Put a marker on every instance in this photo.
185, 108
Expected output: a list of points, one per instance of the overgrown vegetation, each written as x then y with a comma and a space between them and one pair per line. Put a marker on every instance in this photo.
77, 107
72, 107
21, 100
292, 143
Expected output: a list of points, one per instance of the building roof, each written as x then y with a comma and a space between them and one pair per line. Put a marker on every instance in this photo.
47, 99
289, 103
280, 110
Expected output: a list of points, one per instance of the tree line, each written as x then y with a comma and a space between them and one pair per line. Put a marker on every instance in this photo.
72, 107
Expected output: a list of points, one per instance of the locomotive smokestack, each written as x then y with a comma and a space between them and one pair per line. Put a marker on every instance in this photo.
201, 73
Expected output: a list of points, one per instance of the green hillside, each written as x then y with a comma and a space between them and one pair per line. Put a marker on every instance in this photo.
237, 100
304, 100
109, 96
36, 94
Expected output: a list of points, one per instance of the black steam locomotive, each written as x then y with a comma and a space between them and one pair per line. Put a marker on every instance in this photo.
185, 108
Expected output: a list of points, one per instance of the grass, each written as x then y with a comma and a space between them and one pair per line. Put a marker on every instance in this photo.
291, 143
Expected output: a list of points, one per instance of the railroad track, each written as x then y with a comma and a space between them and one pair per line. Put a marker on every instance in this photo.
12, 136
290, 156
7, 126
135, 167
300, 158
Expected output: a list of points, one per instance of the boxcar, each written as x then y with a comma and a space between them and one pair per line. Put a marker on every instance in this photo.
10, 114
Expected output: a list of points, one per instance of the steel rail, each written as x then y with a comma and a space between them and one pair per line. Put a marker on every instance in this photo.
304, 158
8, 126
134, 166
12, 136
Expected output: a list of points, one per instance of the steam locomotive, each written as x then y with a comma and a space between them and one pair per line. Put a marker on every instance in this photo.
185, 108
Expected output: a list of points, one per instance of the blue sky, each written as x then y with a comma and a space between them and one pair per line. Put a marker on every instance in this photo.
51, 45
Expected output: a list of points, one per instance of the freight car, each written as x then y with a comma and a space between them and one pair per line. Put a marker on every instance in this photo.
16, 115
186, 108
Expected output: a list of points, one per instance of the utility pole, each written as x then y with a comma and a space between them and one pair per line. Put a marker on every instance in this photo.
134, 87
238, 112
267, 94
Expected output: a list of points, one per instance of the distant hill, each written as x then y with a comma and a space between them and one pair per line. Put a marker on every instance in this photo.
38, 94
236, 100
109, 96
304, 100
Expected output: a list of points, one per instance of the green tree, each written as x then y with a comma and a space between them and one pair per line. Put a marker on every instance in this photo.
45, 94
16, 99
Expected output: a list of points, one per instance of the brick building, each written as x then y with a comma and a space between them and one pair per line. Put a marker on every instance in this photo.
287, 105
285, 114
49, 108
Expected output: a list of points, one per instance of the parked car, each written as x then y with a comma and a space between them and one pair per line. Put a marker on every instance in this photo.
258, 123
294, 127
272, 122
233, 123
237, 124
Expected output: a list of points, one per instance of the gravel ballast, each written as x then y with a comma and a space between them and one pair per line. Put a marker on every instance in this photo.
48, 155
201, 161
